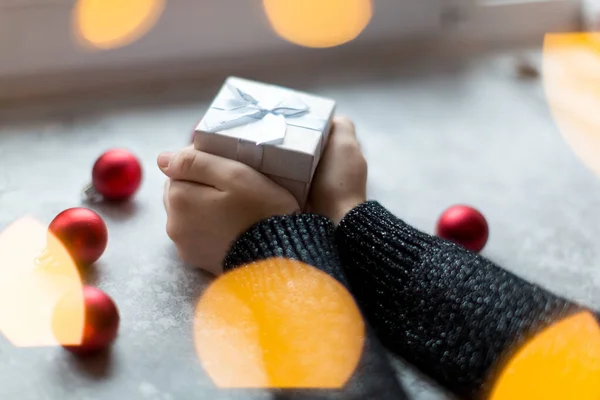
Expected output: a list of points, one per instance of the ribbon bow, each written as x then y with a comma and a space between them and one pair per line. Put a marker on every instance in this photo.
274, 115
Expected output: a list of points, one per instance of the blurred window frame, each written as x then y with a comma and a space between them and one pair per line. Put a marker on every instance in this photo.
36, 39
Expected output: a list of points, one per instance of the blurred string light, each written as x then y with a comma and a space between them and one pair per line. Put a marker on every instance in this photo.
318, 23
571, 76
36, 271
109, 24
278, 324
562, 362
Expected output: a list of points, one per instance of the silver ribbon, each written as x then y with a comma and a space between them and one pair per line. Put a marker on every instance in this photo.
273, 114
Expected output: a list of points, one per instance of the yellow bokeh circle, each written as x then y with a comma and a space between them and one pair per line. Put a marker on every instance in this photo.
278, 324
109, 24
571, 77
36, 272
318, 23
562, 362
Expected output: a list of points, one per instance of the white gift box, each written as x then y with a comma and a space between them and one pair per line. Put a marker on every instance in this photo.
277, 131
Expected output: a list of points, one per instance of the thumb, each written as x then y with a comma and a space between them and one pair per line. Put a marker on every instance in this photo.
189, 165
197, 166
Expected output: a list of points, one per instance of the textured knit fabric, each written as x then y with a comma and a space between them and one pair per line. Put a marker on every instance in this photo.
452, 313
311, 239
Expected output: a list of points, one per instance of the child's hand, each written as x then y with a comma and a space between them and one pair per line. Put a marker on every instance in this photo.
340, 182
211, 200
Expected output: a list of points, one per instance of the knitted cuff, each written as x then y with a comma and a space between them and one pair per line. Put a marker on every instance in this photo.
304, 237
372, 231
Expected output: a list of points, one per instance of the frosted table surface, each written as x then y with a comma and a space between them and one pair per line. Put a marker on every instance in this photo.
434, 137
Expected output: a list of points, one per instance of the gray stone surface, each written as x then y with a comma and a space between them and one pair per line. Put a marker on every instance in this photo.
434, 135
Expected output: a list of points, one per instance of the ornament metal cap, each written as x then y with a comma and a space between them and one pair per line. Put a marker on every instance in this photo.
90, 194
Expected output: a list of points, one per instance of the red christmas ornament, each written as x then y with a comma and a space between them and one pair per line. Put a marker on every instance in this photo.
116, 176
82, 232
465, 226
100, 320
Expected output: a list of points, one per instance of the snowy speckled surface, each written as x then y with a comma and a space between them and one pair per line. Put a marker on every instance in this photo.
433, 137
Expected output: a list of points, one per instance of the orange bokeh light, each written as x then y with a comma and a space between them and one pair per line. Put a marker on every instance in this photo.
36, 271
109, 24
571, 66
278, 324
318, 23
562, 362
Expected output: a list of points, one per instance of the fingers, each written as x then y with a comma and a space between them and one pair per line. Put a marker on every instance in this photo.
344, 127
343, 136
196, 166
185, 197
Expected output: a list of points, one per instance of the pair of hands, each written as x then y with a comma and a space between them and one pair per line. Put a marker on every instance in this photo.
211, 200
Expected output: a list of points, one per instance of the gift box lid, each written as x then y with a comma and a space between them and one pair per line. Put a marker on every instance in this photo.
278, 131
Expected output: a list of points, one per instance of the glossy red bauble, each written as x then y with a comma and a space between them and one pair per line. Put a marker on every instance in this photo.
99, 325
465, 226
82, 232
117, 175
